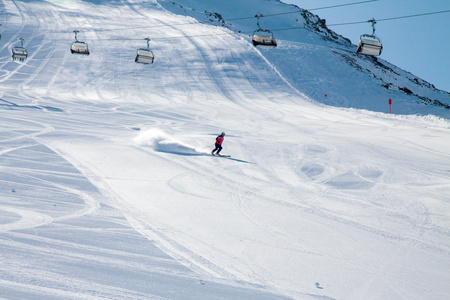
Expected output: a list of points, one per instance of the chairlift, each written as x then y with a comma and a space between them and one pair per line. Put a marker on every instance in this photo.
263, 37
370, 44
145, 55
19, 53
79, 47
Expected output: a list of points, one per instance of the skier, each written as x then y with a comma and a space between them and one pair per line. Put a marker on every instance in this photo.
218, 145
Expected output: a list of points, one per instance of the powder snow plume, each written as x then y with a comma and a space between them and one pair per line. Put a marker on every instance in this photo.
162, 142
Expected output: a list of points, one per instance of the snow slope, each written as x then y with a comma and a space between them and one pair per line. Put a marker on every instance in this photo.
108, 190
317, 61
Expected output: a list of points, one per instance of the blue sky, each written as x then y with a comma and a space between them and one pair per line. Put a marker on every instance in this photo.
420, 45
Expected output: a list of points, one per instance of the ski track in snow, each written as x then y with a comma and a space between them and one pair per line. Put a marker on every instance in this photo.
104, 163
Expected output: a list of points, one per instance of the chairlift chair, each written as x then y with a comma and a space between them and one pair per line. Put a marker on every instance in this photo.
370, 44
263, 40
145, 55
263, 37
79, 47
369, 47
19, 52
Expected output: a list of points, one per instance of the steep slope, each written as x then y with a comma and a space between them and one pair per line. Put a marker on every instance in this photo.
315, 202
325, 63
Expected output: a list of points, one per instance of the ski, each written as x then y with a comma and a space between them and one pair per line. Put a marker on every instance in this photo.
221, 155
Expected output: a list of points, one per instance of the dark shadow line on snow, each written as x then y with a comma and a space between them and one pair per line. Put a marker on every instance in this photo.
204, 154
11, 106
235, 159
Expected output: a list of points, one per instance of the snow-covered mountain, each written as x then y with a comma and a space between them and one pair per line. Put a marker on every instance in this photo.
108, 189
319, 62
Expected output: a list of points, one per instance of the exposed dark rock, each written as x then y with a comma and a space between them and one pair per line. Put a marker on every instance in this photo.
406, 90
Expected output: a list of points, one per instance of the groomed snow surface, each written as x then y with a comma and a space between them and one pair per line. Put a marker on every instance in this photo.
108, 189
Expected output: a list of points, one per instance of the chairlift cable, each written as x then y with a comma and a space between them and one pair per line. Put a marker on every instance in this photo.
245, 32
232, 19
341, 5
295, 12
393, 18
296, 28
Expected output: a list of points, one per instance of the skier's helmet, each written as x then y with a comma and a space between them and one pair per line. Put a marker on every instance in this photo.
223, 133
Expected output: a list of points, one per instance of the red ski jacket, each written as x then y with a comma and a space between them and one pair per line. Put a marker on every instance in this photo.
219, 140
